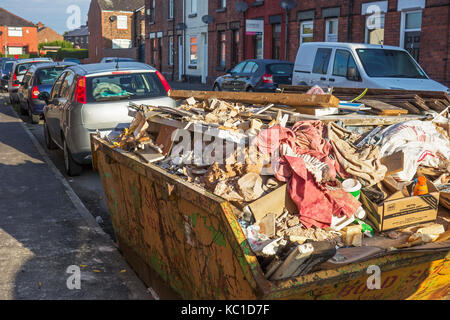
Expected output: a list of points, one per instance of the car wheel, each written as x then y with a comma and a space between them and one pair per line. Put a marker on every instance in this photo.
216, 87
23, 112
48, 139
72, 168
34, 119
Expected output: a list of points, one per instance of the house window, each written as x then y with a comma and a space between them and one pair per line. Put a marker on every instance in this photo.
331, 30
193, 6
259, 46
171, 51
170, 9
410, 32
222, 4
235, 48
14, 32
276, 41
121, 44
122, 22
306, 31
76, 39
375, 29
151, 11
153, 50
222, 49
193, 56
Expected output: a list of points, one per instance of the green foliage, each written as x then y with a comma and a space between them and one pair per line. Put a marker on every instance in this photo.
62, 44
68, 53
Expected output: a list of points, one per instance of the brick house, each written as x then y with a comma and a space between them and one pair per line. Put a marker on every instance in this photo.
112, 28
46, 34
420, 26
79, 37
18, 36
165, 37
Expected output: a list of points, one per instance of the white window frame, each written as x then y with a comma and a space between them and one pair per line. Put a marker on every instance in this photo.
190, 50
171, 51
121, 44
223, 4
15, 32
366, 32
170, 9
122, 22
194, 6
327, 29
403, 29
306, 35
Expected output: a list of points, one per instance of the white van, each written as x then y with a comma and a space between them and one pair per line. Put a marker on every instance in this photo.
354, 65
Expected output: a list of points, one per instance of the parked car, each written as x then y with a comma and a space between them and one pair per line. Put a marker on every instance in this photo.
3, 60
18, 71
74, 60
91, 97
39, 78
354, 65
4, 74
256, 75
115, 59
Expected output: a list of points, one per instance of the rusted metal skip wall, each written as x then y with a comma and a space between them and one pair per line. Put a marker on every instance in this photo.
193, 241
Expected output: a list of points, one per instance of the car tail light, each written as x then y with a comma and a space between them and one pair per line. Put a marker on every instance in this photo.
35, 92
80, 91
267, 78
14, 80
164, 81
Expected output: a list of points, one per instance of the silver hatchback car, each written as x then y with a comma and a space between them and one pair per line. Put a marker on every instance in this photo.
91, 97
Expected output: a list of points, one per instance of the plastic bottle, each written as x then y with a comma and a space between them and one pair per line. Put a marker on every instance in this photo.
421, 187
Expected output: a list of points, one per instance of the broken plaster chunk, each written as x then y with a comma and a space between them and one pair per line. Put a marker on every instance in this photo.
191, 101
352, 235
250, 186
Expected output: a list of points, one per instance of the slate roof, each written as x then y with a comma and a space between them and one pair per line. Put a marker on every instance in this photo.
80, 32
11, 20
121, 5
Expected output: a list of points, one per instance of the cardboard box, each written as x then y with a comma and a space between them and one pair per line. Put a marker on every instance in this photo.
399, 210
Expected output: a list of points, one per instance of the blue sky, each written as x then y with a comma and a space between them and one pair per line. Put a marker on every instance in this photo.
51, 12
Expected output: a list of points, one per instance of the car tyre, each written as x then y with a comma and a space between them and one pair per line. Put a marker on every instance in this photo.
48, 139
216, 87
34, 119
72, 168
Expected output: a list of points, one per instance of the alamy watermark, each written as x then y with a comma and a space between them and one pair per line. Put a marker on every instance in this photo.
374, 280
74, 20
73, 282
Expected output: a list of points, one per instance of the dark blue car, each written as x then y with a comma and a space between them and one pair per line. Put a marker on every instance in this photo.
39, 78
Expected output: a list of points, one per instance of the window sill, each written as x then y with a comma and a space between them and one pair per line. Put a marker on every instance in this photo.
192, 67
192, 15
221, 10
151, 22
170, 19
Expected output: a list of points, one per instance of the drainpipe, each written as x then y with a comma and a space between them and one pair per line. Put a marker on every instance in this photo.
184, 39
286, 35
174, 39
349, 20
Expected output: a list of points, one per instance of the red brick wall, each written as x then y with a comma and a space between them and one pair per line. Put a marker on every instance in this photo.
49, 35
102, 30
167, 26
29, 39
435, 36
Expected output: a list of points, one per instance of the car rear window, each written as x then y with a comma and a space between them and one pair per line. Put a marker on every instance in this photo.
7, 67
48, 76
130, 86
280, 68
22, 68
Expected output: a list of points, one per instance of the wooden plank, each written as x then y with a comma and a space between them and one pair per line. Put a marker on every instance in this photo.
294, 100
383, 108
410, 107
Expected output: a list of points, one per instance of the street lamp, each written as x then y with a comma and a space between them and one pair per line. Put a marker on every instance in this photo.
287, 5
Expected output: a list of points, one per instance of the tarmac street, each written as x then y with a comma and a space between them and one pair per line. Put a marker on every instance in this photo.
50, 246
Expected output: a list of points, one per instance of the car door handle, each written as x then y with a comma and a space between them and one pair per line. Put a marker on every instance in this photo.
331, 79
323, 79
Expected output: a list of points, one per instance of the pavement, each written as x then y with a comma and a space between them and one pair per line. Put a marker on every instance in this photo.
47, 236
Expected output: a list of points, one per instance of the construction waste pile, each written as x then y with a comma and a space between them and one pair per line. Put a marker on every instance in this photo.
310, 193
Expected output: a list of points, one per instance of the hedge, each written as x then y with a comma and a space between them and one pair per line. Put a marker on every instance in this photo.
68, 53
62, 44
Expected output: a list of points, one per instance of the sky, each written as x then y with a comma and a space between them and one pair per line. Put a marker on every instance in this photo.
53, 13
